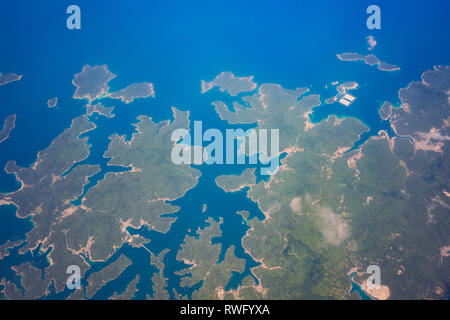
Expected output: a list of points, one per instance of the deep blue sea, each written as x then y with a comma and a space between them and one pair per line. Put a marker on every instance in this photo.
175, 45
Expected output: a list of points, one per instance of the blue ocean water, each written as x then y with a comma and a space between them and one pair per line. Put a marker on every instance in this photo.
13, 228
175, 45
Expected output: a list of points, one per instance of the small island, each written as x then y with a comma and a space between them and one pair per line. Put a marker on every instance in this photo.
135, 90
99, 109
342, 96
233, 183
53, 102
92, 82
9, 77
370, 60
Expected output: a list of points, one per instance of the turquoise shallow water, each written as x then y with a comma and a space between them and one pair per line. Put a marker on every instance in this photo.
175, 46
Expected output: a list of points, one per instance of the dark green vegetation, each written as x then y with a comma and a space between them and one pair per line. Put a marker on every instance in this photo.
97, 227
100, 109
45, 195
10, 77
329, 212
235, 183
228, 82
370, 60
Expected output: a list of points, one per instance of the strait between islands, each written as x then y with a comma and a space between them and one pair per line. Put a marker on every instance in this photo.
327, 210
